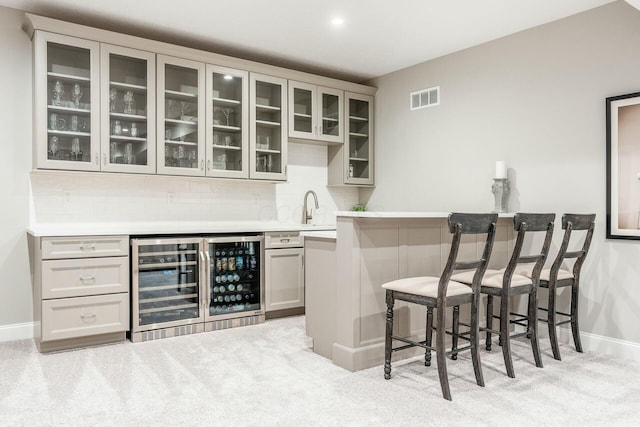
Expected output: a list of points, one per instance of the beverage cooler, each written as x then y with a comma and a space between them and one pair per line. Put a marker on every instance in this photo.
188, 285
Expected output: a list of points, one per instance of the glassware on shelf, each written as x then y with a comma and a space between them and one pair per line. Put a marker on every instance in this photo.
129, 102
128, 154
53, 146
134, 130
113, 148
58, 90
56, 122
75, 148
76, 94
228, 114
74, 124
117, 128
113, 97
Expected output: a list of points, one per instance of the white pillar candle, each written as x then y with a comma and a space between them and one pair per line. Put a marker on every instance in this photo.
501, 170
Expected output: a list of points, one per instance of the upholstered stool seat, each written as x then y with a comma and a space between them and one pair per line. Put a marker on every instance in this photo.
426, 286
493, 278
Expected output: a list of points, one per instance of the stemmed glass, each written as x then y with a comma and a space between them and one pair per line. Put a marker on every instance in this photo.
58, 90
128, 102
113, 96
76, 94
227, 114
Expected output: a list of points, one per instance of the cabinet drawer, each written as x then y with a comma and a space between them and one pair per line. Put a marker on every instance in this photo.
83, 277
84, 246
284, 239
84, 316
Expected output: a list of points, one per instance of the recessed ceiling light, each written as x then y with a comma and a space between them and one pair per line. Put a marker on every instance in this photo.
228, 77
337, 21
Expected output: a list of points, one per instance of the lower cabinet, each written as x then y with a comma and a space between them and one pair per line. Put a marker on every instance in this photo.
284, 274
80, 290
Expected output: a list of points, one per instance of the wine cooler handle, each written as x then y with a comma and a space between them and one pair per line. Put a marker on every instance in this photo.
207, 264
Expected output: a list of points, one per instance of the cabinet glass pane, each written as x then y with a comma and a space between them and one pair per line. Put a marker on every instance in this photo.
227, 122
330, 114
168, 282
302, 109
68, 103
181, 117
358, 139
235, 277
268, 127
127, 110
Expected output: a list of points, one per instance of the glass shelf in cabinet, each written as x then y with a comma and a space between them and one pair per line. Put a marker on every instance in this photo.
128, 86
226, 101
67, 77
174, 94
74, 110
267, 123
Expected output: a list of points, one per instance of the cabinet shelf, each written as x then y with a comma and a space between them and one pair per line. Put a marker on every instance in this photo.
194, 144
67, 77
302, 116
70, 110
267, 151
267, 123
127, 116
67, 133
227, 128
358, 119
174, 94
358, 135
228, 147
330, 119
128, 86
226, 101
180, 122
127, 138
262, 107
358, 159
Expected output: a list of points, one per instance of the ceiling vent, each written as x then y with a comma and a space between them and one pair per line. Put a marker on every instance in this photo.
425, 98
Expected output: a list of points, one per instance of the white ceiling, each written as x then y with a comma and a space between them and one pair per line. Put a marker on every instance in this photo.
377, 36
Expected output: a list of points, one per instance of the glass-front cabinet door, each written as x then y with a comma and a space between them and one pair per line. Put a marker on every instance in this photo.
358, 152
268, 137
128, 142
66, 102
181, 116
227, 122
315, 112
166, 283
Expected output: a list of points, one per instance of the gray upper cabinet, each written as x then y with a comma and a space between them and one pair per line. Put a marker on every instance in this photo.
316, 113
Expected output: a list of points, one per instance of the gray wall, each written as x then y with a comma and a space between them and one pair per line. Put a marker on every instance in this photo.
535, 99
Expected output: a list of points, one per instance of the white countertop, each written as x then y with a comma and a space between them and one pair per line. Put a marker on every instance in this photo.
325, 235
399, 215
169, 227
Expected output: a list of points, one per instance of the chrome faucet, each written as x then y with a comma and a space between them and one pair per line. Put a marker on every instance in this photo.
306, 214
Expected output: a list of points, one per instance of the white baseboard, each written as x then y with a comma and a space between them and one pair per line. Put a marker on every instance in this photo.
600, 344
17, 331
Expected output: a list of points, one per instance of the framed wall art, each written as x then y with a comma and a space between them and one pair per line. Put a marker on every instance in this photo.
623, 166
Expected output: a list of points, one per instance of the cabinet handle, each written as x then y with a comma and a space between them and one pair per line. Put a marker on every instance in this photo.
87, 247
97, 159
207, 263
104, 159
201, 164
208, 165
88, 316
284, 240
87, 278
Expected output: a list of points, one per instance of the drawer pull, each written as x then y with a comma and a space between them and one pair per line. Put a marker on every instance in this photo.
284, 240
88, 247
88, 317
87, 278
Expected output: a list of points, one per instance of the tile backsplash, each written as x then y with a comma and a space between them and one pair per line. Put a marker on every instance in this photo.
62, 197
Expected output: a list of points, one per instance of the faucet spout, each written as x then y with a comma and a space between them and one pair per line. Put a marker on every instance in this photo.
306, 213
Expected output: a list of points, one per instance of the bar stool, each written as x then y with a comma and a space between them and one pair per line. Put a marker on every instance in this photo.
557, 277
440, 293
505, 284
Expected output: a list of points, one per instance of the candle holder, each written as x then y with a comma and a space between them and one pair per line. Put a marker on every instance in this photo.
500, 190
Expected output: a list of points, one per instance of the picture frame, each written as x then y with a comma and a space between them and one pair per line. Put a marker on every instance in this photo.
623, 166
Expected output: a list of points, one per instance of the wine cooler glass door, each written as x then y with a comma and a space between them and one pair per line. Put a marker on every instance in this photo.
235, 277
166, 283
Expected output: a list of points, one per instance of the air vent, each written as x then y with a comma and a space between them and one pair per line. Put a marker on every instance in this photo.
425, 98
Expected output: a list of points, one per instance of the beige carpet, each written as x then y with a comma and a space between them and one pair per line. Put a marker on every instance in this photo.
266, 375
